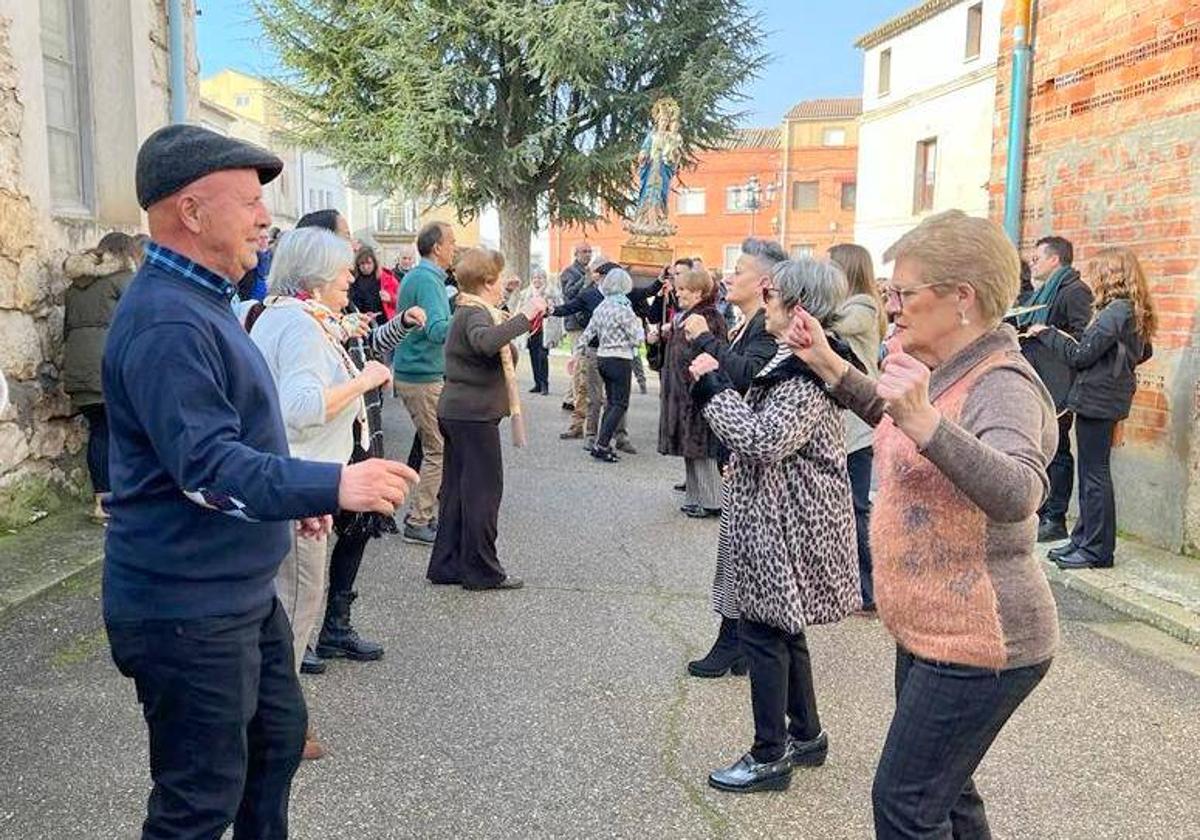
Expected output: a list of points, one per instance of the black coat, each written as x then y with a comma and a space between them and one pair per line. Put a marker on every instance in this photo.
1070, 312
1104, 361
573, 280
745, 354
682, 429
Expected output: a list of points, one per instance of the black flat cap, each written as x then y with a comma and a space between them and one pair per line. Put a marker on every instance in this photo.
175, 156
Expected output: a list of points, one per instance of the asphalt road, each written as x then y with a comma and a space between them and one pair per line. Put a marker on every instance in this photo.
563, 711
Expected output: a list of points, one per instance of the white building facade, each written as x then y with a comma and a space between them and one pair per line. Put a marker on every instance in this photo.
925, 136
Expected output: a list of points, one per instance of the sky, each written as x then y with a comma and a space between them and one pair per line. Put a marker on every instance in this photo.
811, 43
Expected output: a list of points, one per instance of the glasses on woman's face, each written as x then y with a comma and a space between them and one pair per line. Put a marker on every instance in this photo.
896, 295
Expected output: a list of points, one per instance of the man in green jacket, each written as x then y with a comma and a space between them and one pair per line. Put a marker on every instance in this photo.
420, 368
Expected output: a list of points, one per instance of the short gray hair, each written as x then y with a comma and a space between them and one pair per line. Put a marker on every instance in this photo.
767, 251
306, 259
817, 285
616, 282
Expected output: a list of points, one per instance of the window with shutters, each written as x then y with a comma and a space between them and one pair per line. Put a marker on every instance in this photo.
65, 81
885, 71
974, 30
804, 195
926, 175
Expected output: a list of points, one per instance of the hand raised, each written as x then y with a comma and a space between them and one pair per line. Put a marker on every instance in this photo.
375, 485
534, 307
904, 387
702, 364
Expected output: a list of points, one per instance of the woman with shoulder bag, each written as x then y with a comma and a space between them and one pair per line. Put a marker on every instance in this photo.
1104, 360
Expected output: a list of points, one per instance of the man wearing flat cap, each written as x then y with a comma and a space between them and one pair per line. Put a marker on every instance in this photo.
203, 497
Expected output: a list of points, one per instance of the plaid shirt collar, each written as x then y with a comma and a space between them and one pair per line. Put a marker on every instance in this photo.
163, 257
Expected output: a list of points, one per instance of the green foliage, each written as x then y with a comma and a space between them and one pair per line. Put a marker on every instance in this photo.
507, 102
26, 501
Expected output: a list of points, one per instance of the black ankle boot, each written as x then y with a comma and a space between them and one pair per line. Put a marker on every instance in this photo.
725, 656
338, 638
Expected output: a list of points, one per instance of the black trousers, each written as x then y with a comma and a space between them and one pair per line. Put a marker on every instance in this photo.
1096, 531
859, 463
617, 375
226, 720
946, 719
539, 359
781, 687
469, 505
97, 447
1061, 472
416, 454
345, 560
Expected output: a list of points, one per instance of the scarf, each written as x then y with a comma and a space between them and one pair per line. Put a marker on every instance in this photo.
506, 363
337, 330
1043, 297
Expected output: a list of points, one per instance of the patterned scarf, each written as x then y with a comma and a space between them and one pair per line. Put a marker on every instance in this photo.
506, 362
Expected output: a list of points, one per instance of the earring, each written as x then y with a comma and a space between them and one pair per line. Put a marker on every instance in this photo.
963, 319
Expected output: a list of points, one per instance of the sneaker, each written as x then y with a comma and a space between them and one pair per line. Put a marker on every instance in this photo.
419, 534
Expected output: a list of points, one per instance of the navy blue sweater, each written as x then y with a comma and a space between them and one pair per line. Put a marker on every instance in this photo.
203, 490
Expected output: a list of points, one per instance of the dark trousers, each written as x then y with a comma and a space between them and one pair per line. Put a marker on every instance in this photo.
539, 359
416, 454
469, 505
97, 446
781, 687
1096, 531
859, 463
1061, 472
616, 374
345, 560
946, 719
226, 720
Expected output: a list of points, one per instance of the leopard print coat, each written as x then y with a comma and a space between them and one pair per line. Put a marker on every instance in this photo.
788, 522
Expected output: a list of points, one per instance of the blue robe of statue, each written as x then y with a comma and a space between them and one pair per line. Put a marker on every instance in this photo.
654, 178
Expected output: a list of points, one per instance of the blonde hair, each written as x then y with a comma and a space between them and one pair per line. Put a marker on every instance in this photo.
697, 280
954, 248
855, 262
476, 268
1116, 274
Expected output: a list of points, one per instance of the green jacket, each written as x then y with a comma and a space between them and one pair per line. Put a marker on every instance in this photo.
97, 283
421, 356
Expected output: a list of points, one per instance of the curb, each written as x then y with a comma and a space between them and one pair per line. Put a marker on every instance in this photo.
35, 587
1171, 618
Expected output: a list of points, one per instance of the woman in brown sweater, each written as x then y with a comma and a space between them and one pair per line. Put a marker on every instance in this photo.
964, 431
481, 388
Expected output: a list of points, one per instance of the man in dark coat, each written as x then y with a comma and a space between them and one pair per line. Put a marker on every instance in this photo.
1066, 304
573, 280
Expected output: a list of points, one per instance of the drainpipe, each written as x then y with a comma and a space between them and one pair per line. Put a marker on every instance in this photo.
1018, 122
177, 56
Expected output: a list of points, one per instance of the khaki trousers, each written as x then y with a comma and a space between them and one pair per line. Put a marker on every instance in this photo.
300, 584
421, 401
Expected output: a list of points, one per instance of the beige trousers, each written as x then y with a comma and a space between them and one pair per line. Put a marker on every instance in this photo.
300, 583
421, 400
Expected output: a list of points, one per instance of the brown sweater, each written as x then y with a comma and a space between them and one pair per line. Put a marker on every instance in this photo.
475, 388
954, 525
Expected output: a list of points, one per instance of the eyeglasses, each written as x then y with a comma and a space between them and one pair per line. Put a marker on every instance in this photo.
895, 296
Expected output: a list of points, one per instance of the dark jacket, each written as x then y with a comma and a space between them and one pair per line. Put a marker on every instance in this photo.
579, 309
97, 283
475, 388
1104, 360
682, 429
573, 279
1070, 312
746, 352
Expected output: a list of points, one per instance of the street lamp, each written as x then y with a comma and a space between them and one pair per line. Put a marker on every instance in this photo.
757, 197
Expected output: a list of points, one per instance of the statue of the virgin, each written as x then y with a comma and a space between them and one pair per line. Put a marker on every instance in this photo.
658, 160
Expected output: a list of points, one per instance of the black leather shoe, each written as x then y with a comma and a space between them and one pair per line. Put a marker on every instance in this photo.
1052, 530
680, 487
808, 753
1078, 560
311, 663
536, 389
1062, 551
748, 775
606, 455
568, 406
509, 582
697, 512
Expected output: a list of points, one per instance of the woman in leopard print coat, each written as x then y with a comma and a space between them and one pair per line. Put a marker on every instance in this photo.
790, 518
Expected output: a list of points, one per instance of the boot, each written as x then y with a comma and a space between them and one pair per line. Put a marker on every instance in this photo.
338, 638
725, 656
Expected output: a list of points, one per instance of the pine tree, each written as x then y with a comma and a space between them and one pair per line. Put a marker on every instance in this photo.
527, 105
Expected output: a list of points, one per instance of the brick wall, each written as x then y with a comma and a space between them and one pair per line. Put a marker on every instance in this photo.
1114, 159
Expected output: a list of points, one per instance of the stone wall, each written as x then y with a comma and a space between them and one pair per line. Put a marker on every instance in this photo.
1114, 159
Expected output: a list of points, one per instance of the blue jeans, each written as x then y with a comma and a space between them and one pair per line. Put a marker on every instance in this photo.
858, 464
226, 720
946, 719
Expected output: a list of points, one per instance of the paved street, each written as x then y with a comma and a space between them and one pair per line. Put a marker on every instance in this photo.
562, 710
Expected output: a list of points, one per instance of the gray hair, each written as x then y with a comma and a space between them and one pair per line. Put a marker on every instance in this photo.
616, 282
768, 252
817, 285
306, 259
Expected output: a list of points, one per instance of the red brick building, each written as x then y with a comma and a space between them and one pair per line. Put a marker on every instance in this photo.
1114, 159
805, 172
